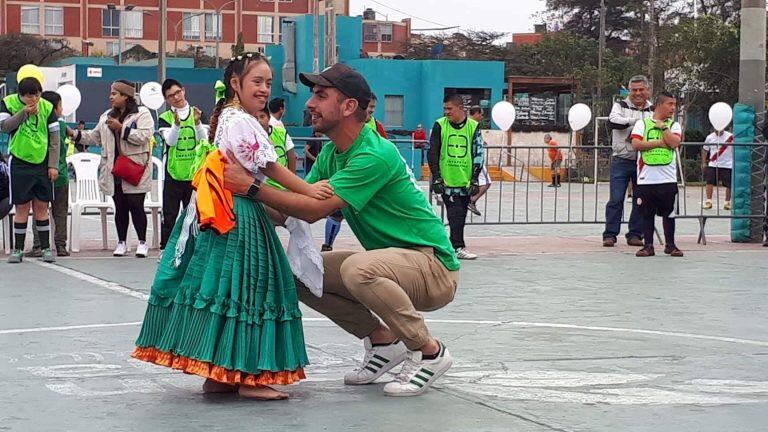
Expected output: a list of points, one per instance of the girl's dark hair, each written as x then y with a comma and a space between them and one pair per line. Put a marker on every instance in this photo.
29, 86
130, 105
52, 97
237, 66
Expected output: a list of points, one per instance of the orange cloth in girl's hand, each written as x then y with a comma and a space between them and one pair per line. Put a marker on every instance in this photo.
215, 205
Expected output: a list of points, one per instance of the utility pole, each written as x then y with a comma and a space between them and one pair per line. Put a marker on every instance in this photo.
600, 51
316, 28
652, 34
163, 37
752, 93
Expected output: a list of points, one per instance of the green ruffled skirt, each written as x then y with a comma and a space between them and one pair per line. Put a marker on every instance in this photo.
229, 312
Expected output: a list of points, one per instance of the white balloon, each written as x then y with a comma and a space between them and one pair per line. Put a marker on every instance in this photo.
151, 95
579, 116
70, 98
720, 115
503, 114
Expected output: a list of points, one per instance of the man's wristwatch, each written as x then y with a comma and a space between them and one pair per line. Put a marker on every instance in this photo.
253, 190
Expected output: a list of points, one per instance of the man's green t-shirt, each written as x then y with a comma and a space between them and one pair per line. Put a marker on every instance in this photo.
385, 208
63, 179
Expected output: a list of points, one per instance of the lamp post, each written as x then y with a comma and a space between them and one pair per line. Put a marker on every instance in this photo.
176, 31
217, 17
120, 41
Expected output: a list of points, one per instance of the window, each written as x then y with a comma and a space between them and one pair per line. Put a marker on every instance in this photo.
385, 30
191, 26
30, 19
54, 21
113, 48
212, 26
370, 33
266, 29
281, 20
393, 110
210, 51
134, 24
110, 22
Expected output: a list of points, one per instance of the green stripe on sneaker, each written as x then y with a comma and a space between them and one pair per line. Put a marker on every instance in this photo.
416, 383
428, 372
378, 357
371, 369
425, 379
374, 363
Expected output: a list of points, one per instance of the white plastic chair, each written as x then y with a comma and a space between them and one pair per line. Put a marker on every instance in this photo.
155, 205
87, 195
7, 223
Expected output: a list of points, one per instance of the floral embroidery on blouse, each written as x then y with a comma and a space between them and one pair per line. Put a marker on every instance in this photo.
241, 133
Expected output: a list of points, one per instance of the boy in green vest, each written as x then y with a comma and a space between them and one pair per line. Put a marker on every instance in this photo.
284, 147
656, 192
60, 205
34, 147
456, 162
185, 136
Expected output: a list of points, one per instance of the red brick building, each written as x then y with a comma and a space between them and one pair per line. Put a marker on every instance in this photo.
93, 26
384, 38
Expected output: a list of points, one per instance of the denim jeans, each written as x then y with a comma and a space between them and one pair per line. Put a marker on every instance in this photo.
622, 172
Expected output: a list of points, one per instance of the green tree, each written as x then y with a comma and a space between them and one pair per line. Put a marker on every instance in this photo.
239, 47
17, 49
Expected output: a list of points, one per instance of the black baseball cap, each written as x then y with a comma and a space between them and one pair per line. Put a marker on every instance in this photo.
344, 79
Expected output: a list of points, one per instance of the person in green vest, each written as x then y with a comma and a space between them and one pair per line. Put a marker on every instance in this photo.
284, 147
656, 139
456, 162
185, 135
34, 147
60, 204
408, 264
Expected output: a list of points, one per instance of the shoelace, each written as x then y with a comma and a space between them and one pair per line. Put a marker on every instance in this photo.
409, 368
366, 358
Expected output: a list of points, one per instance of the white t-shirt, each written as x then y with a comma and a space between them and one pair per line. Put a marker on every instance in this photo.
656, 174
720, 152
275, 122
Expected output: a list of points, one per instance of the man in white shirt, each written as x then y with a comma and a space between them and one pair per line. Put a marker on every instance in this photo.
717, 163
656, 139
277, 111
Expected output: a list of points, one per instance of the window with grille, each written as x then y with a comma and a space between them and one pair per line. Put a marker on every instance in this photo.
110, 22
54, 21
266, 29
212, 26
370, 33
393, 110
191, 29
30, 19
134, 24
385, 32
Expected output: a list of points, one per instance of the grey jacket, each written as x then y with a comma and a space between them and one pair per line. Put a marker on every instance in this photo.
138, 128
622, 119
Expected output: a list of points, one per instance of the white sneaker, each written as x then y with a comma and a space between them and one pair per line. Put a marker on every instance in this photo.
377, 361
463, 254
707, 205
417, 374
142, 250
120, 250
160, 256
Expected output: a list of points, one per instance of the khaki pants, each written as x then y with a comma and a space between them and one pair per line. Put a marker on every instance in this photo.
392, 283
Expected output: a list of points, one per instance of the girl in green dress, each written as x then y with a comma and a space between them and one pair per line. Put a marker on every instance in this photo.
225, 307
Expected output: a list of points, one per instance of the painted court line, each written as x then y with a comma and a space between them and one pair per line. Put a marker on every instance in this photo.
112, 286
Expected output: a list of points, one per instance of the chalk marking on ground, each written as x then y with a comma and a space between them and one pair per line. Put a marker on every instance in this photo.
112, 286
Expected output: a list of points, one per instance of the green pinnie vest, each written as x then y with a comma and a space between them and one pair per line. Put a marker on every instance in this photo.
456, 158
279, 136
30, 141
658, 156
183, 158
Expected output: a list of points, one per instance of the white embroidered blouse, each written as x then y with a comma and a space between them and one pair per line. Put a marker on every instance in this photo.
240, 133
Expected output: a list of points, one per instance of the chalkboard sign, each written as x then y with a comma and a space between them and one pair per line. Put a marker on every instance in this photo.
538, 109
